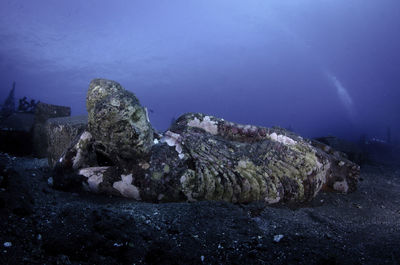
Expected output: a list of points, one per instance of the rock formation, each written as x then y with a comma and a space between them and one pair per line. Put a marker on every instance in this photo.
118, 122
200, 157
60, 132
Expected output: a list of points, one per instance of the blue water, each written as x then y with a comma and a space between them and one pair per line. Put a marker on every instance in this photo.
327, 67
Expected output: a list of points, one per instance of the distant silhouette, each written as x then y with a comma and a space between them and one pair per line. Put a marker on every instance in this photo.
27, 107
8, 107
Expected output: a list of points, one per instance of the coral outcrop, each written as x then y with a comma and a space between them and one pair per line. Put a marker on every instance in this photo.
200, 157
118, 122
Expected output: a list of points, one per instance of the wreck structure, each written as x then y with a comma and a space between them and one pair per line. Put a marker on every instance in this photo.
200, 157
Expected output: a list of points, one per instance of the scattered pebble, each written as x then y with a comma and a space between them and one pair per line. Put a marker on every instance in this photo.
278, 238
7, 244
118, 245
202, 258
50, 181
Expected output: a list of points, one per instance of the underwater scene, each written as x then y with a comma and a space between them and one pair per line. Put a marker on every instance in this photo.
199, 132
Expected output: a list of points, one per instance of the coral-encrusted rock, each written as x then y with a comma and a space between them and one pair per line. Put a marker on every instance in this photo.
61, 133
117, 122
243, 163
200, 157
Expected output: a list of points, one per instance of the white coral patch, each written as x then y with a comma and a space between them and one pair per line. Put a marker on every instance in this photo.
94, 175
173, 139
282, 139
272, 200
147, 115
341, 186
85, 136
115, 102
206, 124
78, 160
126, 188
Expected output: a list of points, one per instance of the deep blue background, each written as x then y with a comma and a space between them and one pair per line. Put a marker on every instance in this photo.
321, 67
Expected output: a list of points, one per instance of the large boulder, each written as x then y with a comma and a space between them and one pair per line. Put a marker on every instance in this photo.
117, 122
200, 157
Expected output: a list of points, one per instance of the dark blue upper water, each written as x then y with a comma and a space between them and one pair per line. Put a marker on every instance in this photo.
319, 67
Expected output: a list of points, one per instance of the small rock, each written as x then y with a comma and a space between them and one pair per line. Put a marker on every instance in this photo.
278, 238
50, 181
202, 258
7, 244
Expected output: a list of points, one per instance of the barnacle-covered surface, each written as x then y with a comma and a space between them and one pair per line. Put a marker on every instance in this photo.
200, 157
243, 163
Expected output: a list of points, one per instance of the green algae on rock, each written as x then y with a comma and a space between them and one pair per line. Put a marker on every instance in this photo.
200, 157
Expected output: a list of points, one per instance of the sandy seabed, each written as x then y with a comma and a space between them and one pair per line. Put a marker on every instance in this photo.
40, 225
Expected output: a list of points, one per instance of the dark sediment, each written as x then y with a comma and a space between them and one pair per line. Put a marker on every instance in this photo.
47, 226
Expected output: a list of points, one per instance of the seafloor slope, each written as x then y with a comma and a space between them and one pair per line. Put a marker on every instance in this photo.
40, 225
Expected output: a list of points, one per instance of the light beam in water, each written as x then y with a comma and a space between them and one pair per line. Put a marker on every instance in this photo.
342, 92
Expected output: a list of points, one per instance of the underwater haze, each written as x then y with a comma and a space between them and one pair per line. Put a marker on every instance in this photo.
328, 67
